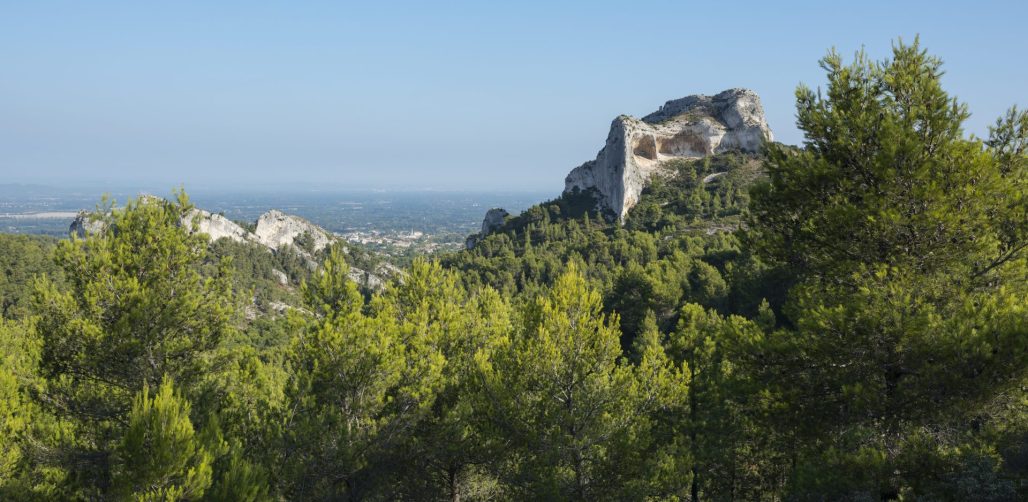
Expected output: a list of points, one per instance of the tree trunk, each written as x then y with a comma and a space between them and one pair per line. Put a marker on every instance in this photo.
454, 484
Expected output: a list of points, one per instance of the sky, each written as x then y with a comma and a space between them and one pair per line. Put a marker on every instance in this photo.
428, 95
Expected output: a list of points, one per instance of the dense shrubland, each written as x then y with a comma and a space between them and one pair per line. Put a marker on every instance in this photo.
846, 320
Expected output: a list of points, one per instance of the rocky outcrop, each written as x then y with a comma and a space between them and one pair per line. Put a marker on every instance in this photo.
691, 127
217, 226
373, 280
86, 223
280, 276
214, 225
276, 229
494, 219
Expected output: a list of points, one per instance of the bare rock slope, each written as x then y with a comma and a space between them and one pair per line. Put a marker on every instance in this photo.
274, 230
217, 226
690, 127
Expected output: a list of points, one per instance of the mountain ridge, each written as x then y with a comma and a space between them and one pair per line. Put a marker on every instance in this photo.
273, 231
636, 150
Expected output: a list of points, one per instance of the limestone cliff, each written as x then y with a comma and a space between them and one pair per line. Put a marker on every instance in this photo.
276, 229
217, 226
690, 127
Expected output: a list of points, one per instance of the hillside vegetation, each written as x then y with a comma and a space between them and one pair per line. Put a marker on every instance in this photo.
844, 320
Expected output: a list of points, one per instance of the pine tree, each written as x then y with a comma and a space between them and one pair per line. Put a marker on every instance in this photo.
239, 481
330, 292
909, 292
887, 177
457, 328
160, 456
18, 358
358, 381
559, 390
719, 422
137, 310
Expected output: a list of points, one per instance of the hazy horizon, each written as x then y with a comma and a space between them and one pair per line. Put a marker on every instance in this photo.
163, 189
460, 96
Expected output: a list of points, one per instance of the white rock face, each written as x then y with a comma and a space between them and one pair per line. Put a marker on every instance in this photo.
85, 224
280, 276
690, 128
276, 229
366, 279
216, 226
494, 218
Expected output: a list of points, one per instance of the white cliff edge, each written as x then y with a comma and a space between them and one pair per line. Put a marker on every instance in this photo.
689, 128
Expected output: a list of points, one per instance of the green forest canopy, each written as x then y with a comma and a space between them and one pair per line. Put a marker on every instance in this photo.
845, 320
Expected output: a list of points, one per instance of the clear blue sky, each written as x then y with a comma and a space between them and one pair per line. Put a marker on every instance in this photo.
494, 95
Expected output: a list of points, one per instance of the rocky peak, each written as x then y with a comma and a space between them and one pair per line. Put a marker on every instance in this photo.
736, 108
494, 218
276, 229
691, 127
